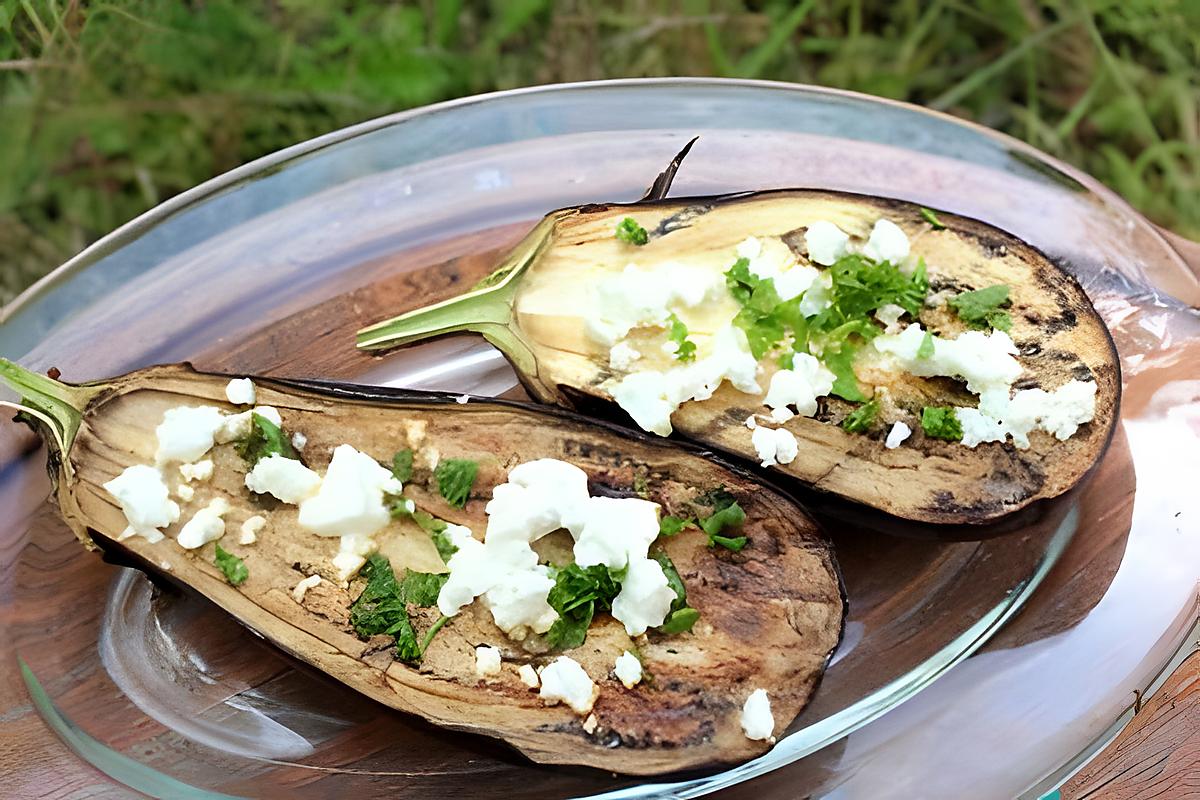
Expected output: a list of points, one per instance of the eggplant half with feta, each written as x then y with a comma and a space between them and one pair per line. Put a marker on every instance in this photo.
919, 362
587, 594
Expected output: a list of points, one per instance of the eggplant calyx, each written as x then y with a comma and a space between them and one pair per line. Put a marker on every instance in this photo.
56, 405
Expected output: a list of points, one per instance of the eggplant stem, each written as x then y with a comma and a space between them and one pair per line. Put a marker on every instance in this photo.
56, 405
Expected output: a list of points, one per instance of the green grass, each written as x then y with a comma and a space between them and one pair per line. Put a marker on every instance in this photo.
107, 108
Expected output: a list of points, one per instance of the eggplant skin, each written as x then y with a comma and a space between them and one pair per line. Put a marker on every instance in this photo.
770, 615
1057, 330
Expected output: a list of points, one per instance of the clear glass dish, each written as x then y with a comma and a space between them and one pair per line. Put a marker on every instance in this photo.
271, 268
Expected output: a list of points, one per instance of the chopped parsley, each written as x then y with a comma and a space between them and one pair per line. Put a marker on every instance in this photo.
726, 513
981, 308
685, 349
402, 465
265, 439
932, 218
941, 423
232, 567
670, 526
382, 608
455, 477
630, 232
681, 617
860, 419
578, 593
926, 348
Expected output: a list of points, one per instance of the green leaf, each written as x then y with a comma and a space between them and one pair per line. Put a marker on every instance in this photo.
682, 617
941, 423
232, 567
685, 348
265, 439
841, 363
926, 349
932, 218
726, 514
860, 419
578, 593
731, 516
630, 232
734, 543
981, 308
455, 477
680, 620
402, 465
382, 608
670, 526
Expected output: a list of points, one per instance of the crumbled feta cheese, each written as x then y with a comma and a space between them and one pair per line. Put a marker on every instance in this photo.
637, 297
773, 260
200, 471
622, 355
233, 427
270, 413
615, 532
186, 433
897, 435
166, 565
774, 446
984, 360
205, 526
887, 243
781, 415
251, 528
303, 586
817, 298
590, 724
757, 721
145, 501
349, 501
751, 422
462, 399
529, 676
889, 314
285, 478
826, 242
1059, 413
651, 397
628, 669
240, 392
352, 553
565, 680
800, 386
645, 597
299, 440
487, 661
539, 497
184, 492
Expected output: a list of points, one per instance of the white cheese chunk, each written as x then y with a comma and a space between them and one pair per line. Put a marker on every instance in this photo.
590, 724
622, 356
187, 433
773, 260
270, 413
565, 680
487, 661
826, 242
615, 531
539, 497
781, 415
301, 588
145, 501
887, 243
240, 392
757, 721
299, 440
800, 386
751, 422
1059, 413
349, 501
645, 597
636, 297
285, 478
351, 555
774, 446
184, 492
251, 528
199, 471
889, 314
897, 435
205, 526
529, 676
986, 361
628, 669
238, 426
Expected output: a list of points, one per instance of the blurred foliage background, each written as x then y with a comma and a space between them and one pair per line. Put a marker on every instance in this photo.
107, 108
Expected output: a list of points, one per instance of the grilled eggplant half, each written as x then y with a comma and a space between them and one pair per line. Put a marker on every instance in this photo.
769, 613
560, 307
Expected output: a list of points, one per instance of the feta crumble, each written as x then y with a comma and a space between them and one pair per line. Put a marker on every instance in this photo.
462, 399
986, 361
757, 721
635, 297
889, 314
240, 392
773, 260
645, 597
184, 492
622, 355
774, 446
299, 440
565, 680
529, 676
187, 433
349, 501
284, 478
251, 528
612, 531
301, 588
887, 243
751, 422
897, 435
199, 471
205, 526
1059, 413
144, 500
487, 661
628, 669
800, 386
826, 242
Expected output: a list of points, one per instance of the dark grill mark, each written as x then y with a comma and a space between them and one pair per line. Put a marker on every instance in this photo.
681, 219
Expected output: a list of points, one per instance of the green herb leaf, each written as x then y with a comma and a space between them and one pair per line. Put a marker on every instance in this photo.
932, 219
402, 465
265, 439
630, 232
860, 419
670, 526
926, 348
382, 608
682, 616
941, 423
232, 567
734, 543
578, 593
685, 349
981, 308
455, 477
841, 363
680, 621
727, 514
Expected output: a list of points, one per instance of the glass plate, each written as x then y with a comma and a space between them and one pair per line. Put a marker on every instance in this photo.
271, 268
